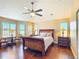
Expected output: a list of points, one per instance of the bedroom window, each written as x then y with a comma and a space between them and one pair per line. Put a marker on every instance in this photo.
8, 29
12, 29
36, 30
63, 29
5, 29
22, 29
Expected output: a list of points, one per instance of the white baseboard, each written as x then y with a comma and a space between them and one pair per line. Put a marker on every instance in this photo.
75, 56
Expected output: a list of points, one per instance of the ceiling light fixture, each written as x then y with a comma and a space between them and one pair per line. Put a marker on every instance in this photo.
32, 14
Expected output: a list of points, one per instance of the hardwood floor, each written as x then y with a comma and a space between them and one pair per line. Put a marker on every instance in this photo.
16, 52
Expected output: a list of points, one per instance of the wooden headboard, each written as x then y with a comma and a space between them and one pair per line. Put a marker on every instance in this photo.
47, 30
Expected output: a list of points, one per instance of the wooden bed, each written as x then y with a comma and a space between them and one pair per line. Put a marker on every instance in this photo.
36, 43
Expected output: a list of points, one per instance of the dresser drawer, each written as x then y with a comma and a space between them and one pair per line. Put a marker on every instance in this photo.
64, 41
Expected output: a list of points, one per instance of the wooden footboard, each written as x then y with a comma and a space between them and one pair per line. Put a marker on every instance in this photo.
37, 43
34, 43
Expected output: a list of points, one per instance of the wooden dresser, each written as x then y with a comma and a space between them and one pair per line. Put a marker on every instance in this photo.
64, 41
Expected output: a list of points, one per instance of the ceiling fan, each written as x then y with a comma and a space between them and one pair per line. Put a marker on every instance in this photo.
33, 12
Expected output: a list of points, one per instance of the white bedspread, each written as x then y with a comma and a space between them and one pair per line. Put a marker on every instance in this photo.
47, 41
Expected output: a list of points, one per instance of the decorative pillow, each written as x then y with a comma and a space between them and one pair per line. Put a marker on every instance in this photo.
49, 34
43, 34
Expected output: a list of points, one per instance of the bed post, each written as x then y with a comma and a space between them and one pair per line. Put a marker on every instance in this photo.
43, 53
23, 43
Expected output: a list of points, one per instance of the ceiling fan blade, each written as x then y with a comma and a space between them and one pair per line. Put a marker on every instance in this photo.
38, 10
38, 14
27, 9
27, 13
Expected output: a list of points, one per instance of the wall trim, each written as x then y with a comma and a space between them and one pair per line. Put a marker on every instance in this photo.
75, 56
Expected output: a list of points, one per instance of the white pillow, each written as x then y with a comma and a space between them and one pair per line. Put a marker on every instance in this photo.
43, 34
49, 34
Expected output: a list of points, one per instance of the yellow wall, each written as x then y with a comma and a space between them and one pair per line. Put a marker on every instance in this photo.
73, 19
29, 26
53, 24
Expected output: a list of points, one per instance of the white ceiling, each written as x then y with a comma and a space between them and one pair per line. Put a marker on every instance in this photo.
15, 8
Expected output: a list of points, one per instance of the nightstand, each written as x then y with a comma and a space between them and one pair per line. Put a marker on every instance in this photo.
64, 41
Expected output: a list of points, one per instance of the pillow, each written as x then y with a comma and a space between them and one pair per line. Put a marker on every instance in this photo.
49, 34
43, 34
